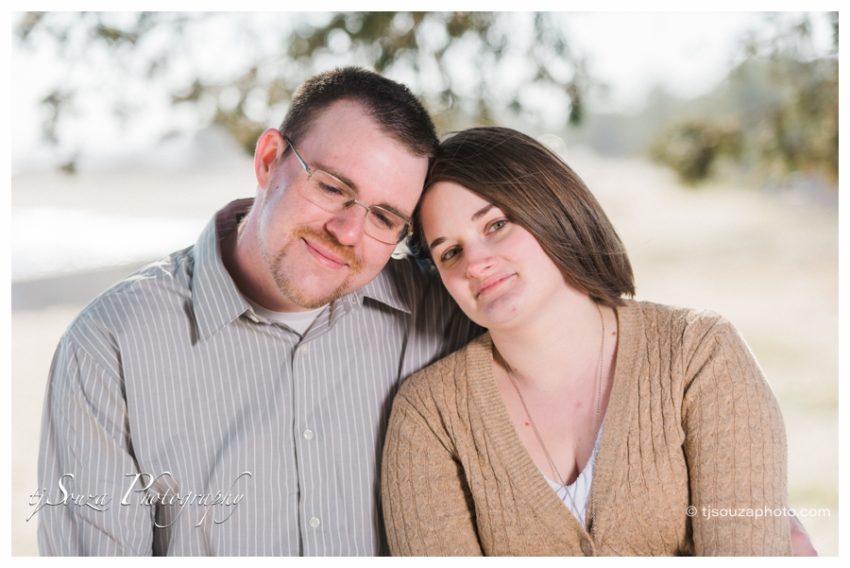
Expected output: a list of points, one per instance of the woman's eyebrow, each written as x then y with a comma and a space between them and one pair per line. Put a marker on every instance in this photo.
475, 216
478, 214
436, 242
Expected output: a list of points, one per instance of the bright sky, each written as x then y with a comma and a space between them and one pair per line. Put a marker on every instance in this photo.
687, 53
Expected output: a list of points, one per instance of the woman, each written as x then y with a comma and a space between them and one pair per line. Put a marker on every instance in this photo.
582, 423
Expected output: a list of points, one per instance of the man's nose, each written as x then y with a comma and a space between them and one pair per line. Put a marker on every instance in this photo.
348, 224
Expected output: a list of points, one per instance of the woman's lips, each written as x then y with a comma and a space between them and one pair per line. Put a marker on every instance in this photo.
491, 284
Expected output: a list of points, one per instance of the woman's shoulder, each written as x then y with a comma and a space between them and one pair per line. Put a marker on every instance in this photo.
441, 382
687, 323
686, 331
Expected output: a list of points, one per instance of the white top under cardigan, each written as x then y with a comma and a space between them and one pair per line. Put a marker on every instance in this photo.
577, 494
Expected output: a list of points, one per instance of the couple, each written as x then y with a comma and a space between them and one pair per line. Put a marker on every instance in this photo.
235, 397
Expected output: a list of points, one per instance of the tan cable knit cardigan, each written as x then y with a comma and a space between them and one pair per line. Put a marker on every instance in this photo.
691, 422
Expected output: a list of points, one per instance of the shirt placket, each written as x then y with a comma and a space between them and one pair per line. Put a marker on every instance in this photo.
317, 521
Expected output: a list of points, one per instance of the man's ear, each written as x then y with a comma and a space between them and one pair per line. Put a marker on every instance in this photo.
270, 148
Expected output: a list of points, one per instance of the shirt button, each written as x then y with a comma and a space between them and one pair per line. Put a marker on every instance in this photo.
305, 349
586, 547
314, 522
309, 434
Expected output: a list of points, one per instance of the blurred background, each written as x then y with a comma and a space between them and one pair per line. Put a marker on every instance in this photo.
711, 139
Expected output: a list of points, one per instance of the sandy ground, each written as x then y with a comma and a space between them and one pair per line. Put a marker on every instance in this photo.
767, 262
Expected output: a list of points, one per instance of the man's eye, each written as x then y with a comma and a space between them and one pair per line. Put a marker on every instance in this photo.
384, 220
449, 254
331, 190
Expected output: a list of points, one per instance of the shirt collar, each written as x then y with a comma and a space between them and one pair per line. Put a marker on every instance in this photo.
386, 288
215, 298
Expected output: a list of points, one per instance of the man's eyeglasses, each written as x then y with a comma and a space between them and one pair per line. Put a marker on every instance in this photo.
334, 195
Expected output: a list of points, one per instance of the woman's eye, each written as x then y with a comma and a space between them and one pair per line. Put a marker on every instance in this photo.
449, 254
497, 225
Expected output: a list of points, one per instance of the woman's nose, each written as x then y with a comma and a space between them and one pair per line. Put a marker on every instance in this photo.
479, 261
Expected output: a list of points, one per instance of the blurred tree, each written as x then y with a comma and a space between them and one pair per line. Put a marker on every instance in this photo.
692, 147
478, 67
777, 112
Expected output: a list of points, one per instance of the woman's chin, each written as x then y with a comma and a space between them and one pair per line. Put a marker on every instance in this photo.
500, 313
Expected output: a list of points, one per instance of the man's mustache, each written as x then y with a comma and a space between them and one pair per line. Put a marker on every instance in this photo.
345, 253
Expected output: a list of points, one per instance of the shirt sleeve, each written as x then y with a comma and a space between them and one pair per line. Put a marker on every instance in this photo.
86, 464
736, 450
427, 504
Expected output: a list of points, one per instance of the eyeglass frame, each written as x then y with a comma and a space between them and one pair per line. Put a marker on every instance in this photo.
405, 231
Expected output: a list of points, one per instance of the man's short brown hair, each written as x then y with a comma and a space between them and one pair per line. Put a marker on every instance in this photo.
396, 110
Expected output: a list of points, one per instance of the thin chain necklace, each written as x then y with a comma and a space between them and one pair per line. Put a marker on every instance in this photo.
561, 480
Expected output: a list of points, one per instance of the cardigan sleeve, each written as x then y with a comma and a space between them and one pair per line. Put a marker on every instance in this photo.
427, 505
735, 448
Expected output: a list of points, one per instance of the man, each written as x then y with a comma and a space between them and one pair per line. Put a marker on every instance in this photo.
232, 398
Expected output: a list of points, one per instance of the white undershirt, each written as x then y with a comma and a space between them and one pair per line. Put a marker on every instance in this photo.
577, 494
299, 322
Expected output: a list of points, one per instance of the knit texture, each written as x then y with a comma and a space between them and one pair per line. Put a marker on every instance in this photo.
691, 422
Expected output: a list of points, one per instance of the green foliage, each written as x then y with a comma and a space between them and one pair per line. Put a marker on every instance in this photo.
776, 113
474, 67
692, 147
798, 130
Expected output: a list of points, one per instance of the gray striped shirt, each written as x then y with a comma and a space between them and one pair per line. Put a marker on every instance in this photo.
179, 422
